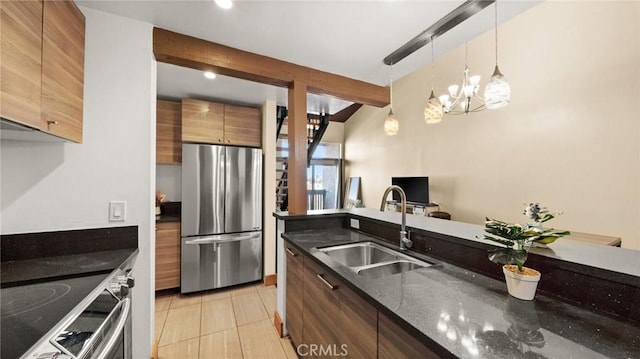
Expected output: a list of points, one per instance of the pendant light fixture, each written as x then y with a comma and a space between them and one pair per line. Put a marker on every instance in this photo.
433, 111
391, 125
497, 92
461, 99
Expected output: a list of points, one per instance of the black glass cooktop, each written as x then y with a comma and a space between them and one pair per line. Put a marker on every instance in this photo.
30, 311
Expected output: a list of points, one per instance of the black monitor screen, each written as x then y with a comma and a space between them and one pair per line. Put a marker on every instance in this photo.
416, 189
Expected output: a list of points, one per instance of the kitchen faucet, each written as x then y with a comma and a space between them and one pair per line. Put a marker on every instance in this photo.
405, 242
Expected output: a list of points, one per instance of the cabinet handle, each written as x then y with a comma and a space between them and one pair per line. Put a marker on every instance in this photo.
228, 140
329, 285
219, 140
293, 254
52, 122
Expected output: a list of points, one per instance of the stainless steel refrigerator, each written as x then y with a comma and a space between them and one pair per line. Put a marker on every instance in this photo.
221, 216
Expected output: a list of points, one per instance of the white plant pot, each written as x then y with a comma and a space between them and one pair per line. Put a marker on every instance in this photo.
521, 286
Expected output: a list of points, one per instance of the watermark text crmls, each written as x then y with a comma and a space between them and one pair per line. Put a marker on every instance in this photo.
331, 350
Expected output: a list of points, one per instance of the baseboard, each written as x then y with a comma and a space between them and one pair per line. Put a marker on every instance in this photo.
270, 279
277, 322
154, 350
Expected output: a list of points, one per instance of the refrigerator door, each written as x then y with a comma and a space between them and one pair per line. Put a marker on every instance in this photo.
202, 190
219, 261
243, 202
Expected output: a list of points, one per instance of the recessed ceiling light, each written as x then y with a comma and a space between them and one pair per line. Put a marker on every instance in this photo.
210, 75
225, 4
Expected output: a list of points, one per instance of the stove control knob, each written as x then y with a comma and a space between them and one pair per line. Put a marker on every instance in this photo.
116, 289
126, 281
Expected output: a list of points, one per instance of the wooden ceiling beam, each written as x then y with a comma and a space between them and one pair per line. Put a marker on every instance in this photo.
183, 50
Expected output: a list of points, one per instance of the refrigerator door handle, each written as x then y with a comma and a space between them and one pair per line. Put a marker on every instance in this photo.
219, 239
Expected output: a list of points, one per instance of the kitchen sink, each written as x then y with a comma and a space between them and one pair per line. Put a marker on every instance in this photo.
360, 254
371, 260
388, 269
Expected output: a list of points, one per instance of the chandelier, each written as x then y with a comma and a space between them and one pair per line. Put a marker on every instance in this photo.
464, 98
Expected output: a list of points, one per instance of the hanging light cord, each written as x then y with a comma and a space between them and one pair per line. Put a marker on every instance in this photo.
496, 28
432, 66
391, 86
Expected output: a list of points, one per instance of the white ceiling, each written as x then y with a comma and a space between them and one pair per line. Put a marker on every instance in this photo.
349, 38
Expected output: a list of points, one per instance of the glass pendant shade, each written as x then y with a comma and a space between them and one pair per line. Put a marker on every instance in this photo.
433, 111
497, 92
391, 125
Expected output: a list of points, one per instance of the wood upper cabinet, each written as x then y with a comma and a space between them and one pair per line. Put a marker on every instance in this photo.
63, 69
395, 343
202, 121
294, 288
335, 316
21, 61
216, 123
42, 66
168, 132
167, 255
242, 126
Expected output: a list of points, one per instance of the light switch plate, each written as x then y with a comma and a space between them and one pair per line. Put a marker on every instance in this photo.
117, 211
354, 223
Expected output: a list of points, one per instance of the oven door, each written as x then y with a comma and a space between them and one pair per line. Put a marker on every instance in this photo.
99, 332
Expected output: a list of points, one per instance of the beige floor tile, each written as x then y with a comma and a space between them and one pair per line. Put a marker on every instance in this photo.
162, 303
269, 300
183, 300
217, 315
224, 344
248, 308
215, 294
187, 349
182, 323
243, 289
159, 322
288, 348
260, 340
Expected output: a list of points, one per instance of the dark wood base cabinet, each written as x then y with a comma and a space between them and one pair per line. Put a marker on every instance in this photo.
336, 319
395, 343
325, 318
294, 294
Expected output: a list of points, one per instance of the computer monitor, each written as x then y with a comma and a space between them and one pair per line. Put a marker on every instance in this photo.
415, 188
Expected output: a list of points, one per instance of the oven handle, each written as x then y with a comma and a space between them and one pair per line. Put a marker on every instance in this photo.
113, 340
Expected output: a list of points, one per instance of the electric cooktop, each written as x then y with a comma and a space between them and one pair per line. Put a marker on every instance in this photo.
29, 311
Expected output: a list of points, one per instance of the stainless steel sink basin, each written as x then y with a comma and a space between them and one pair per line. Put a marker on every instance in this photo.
371, 260
388, 269
359, 254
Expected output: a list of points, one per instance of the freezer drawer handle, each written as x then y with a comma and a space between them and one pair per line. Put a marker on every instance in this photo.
218, 240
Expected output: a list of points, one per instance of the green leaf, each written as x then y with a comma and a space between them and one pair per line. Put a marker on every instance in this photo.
508, 256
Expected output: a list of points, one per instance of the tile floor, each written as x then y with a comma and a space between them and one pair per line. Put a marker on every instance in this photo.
231, 323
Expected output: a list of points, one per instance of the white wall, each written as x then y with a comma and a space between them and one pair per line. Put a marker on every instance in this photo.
169, 182
570, 139
269, 185
56, 186
334, 133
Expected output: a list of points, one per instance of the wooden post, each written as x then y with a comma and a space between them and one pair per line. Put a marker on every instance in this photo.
297, 129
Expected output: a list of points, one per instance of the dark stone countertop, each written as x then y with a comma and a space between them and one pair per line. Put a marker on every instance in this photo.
468, 315
22, 272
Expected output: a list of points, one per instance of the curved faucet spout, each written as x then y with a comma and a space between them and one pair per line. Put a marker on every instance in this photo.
405, 242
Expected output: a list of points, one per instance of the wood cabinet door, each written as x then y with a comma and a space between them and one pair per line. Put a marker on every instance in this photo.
168, 132
295, 271
20, 62
336, 319
202, 121
167, 255
62, 69
395, 343
242, 126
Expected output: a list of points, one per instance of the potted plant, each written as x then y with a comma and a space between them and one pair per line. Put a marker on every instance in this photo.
517, 239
